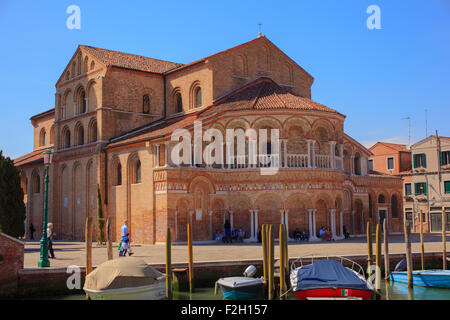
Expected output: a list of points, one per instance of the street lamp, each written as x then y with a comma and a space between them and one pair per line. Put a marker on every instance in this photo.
43, 261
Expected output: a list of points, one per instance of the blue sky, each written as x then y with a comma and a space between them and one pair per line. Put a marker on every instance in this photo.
374, 77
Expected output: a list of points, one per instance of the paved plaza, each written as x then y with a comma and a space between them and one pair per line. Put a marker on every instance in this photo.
73, 253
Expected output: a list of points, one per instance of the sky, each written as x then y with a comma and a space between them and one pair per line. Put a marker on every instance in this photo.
375, 77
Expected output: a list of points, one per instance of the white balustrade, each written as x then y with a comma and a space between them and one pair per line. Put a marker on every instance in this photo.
322, 161
297, 160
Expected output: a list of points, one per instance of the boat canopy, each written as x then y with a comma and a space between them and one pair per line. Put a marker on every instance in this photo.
327, 274
119, 273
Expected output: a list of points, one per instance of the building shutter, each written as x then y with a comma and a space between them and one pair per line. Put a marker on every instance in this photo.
424, 160
416, 189
425, 189
447, 186
442, 158
415, 161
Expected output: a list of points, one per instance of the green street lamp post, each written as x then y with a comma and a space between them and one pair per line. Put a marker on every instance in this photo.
43, 261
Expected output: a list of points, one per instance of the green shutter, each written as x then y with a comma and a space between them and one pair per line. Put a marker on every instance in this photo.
447, 186
425, 189
416, 189
424, 160
442, 158
415, 161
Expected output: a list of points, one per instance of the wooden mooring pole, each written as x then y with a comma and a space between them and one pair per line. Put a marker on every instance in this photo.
283, 240
109, 248
369, 248
444, 240
88, 240
168, 265
409, 265
387, 264
88, 244
422, 248
271, 253
378, 258
264, 249
190, 258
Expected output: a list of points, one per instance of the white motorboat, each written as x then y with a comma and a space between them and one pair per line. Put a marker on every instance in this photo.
127, 278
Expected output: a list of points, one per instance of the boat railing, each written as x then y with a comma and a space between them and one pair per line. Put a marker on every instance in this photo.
356, 267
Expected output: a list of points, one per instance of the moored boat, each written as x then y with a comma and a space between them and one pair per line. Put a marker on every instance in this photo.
127, 278
242, 288
424, 278
330, 280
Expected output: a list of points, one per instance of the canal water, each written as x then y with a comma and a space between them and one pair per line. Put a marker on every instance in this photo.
389, 291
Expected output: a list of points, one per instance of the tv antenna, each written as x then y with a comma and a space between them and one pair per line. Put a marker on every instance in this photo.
409, 130
259, 26
426, 123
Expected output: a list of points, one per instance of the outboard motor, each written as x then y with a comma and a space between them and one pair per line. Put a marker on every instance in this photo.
250, 271
401, 266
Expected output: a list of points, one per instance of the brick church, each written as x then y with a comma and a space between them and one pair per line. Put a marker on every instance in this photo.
112, 123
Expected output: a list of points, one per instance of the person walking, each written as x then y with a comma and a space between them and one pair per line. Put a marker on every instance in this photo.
50, 235
125, 237
32, 230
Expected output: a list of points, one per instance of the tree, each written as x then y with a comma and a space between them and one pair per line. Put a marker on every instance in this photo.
12, 207
101, 220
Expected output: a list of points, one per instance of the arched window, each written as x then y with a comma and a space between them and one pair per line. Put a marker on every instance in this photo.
138, 171
66, 137
42, 138
67, 75
86, 65
79, 135
198, 97
146, 104
394, 206
92, 131
381, 198
81, 101
119, 175
74, 68
357, 164
179, 102
52, 135
36, 180
92, 65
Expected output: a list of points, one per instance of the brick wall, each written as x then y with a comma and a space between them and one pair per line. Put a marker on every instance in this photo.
11, 259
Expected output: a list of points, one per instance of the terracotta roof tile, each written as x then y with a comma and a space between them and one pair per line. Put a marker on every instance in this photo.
259, 94
130, 61
36, 156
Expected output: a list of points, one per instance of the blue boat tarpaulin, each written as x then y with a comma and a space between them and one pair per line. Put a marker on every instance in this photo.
327, 274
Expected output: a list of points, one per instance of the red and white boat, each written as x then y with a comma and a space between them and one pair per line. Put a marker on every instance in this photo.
329, 279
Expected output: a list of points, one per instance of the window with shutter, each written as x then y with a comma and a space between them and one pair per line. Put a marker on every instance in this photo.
447, 187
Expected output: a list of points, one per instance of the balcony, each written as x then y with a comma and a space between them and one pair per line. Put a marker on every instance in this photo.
275, 160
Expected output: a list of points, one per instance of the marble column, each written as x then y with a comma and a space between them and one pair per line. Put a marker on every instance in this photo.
313, 160
353, 222
252, 226
256, 224
314, 223
231, 220
176, 225
157, 155
309, 153
191, 214
332, 154
352, 165
166, 155
341, 225
362, 222
333, 223
310, 230
285, 164
211, 233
